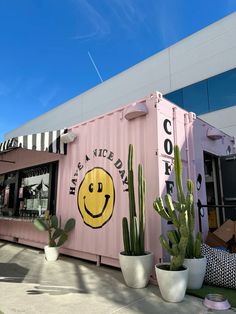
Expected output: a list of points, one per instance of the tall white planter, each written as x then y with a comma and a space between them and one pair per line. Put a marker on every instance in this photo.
136, 270
172, 284
51, 253
197, 270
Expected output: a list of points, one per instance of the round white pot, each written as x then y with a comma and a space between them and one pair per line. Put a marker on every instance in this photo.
172, 284
136, 270
197, 270
51, 253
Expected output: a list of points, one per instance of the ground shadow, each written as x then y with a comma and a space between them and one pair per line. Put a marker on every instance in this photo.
12, 272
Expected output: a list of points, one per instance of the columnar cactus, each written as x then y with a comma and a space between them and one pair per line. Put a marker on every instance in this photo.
193, 249
181, 214
133, 234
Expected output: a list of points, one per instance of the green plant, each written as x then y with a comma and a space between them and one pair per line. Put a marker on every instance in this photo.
181, 214
133, 235
56, 234
193, 249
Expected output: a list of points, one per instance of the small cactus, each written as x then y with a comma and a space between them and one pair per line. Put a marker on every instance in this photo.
181, 214
133, 234
57, 236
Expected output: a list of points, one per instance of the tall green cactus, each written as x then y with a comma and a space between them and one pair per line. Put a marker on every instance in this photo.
180, 214
133, 234
193, 249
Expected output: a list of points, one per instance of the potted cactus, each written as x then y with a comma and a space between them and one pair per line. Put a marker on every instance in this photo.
136, 264
56, 234
172, 278
193, 258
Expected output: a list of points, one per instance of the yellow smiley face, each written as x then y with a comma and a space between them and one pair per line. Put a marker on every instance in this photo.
96, 197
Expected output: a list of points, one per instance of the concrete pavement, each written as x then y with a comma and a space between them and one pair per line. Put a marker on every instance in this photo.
29, 284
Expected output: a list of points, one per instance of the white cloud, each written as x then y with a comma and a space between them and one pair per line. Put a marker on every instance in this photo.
98, 26
129, 15
28, 88
168, 21
46, 98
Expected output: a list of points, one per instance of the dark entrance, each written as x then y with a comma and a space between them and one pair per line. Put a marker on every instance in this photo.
228, 174
213, 190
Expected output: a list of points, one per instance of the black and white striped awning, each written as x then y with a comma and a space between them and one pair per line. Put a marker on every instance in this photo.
47, 141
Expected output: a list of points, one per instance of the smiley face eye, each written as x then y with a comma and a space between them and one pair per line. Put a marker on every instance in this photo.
99, 187
91, 187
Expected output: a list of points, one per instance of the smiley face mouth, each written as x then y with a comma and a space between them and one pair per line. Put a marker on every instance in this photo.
101, 212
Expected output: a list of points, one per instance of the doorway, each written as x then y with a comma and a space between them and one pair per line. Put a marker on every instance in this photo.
213, 195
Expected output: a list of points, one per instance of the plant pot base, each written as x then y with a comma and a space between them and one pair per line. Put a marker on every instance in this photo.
51, 253
197, 270
172, 284
136, 270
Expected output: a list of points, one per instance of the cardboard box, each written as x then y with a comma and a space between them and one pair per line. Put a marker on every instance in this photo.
226, 231
213, 241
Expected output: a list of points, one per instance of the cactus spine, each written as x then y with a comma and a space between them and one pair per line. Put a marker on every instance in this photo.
133, 234
181, 215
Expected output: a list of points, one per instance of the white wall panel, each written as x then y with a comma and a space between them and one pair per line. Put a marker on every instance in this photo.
204, 54
224, 119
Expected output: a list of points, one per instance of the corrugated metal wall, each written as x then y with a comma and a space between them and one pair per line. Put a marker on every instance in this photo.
92, 183
103, 143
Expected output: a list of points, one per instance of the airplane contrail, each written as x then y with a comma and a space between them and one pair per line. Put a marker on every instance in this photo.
95, 67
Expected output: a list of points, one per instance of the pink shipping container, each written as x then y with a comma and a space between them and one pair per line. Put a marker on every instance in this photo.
92, 177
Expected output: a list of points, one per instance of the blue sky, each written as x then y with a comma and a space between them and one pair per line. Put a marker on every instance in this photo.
45, 45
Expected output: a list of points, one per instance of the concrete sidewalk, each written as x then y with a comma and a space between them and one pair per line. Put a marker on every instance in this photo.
30, 284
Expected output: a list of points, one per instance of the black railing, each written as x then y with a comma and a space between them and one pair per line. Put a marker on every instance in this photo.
201, 213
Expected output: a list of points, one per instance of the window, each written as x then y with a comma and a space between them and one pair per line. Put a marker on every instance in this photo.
33, 192
222, 92
214, 93
7, 193
28, 192
195, 97
176, 97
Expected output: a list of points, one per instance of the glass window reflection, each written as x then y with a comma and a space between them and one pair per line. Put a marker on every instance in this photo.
214, 93
33, 193
176, 97
195, 97
222, 90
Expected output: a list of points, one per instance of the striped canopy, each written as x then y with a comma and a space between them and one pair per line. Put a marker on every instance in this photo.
47, 141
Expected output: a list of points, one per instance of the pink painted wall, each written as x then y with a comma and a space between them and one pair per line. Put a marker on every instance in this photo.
25, 158
152, 136
177, 126
111, 134
100, 151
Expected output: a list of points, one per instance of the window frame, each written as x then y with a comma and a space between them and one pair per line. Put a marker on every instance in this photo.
52, 189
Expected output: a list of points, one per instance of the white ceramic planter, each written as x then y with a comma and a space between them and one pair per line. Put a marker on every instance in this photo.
136, 270
51, 253
197, 270
172, 284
